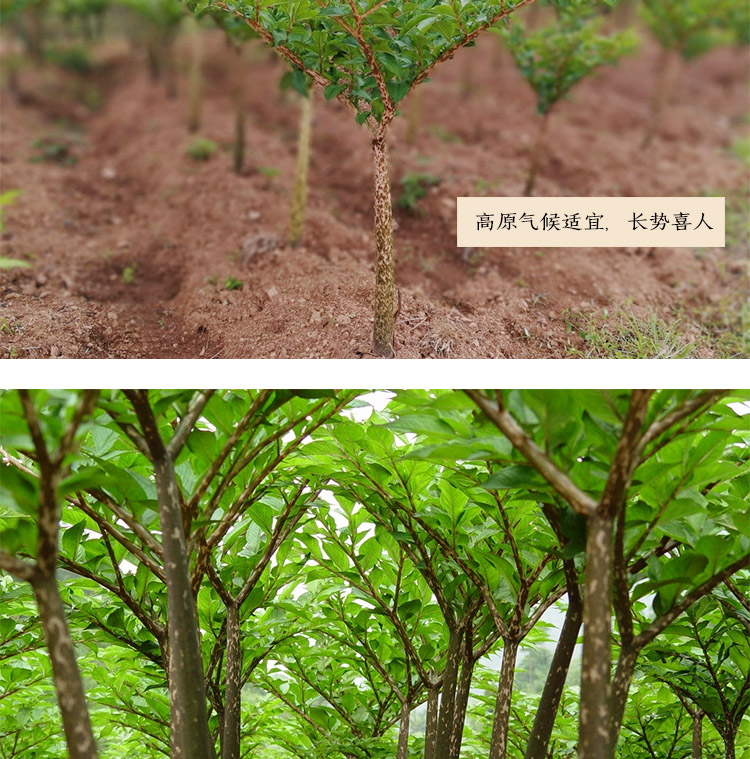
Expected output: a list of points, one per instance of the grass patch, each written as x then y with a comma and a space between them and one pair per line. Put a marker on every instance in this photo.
231, 283
128, 274
623, 334
740, 148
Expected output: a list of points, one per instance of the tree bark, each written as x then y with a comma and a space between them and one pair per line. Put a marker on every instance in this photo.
620, 688
537, 155
238, 149
544, 721
463, 692
594, 727
499, 740
697, 743
403, 732
448, 696
431, 722
666, 63
729, 736
299, 191
79, 735
195, 84
230, 741
186, 683
385, 287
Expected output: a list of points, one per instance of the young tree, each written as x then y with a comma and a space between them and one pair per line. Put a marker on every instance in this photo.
554, 58
45, 428
371, 55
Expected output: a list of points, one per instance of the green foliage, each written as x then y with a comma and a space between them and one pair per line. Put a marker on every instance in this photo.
403, 40
555, 58
693, 27
54, 150
414, 187
231, 283
74, 59
201, 149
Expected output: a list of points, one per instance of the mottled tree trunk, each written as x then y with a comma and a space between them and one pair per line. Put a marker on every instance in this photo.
402, 752
299, 190
697, 744
186, 684
594, 728
730, 737
448, 696
544, 721
230, 741
499, 741
431, 722
620, 688
385, 287
67, 678
463, 691
238, 149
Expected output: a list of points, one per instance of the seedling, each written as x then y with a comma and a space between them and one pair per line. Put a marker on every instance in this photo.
53, 150
201, 149
370, 55
231, 283
555, 58
128, 274
414, 187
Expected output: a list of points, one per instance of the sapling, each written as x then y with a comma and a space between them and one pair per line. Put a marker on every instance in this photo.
553, 59
299, 187
685, 29
370, 55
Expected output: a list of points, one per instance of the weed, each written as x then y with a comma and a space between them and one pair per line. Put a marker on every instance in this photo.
9, 328
53, 150
623, 334
231, 283
128, 274
201, 149
74, 59
9, 263
414, 187
211, 280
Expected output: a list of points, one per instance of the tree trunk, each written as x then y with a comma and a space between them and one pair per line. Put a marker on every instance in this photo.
463, 692
730, 736
594, 724
238, 149
186, 683
448, 696
403, 732
697, 744
544, 721
414, 116
299, 191
620, 688
170, 65
67, 678
537, 155
230, 741
499, 741
666, 63
384, 264
195, 81
431, 722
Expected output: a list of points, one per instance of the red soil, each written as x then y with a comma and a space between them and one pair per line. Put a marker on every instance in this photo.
136, 207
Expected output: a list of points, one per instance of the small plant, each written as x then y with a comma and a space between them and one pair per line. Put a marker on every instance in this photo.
414, 187
269, 171
128, 274
53, 150
201, 149
231, 283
